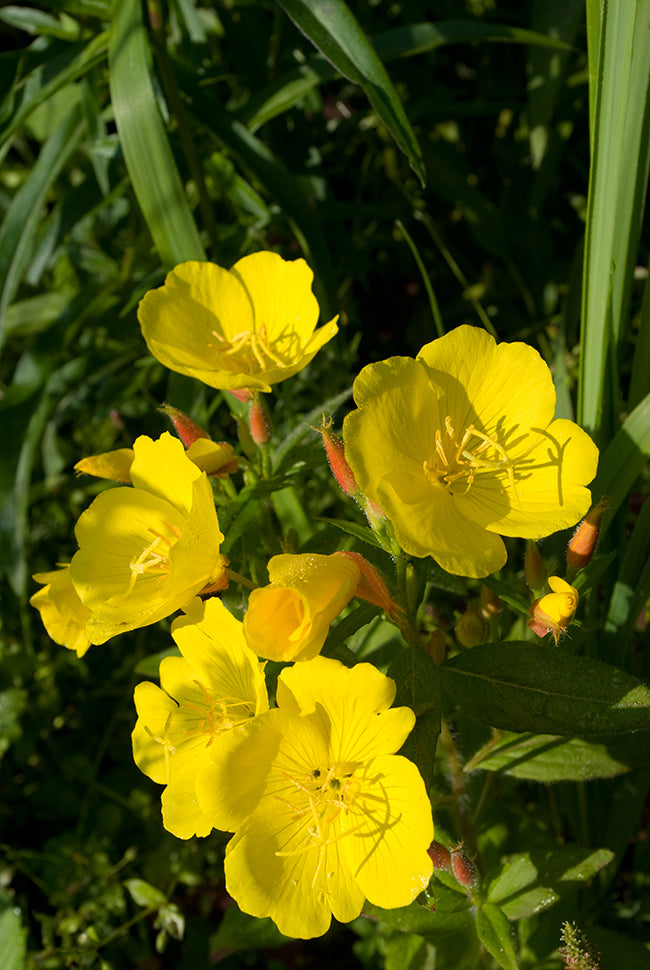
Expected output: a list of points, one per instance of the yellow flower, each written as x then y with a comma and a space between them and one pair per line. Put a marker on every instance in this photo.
459, 447
553, 612
145, 551
248, 327
216, 685
290, 618
325, 813
212, 457
63, 614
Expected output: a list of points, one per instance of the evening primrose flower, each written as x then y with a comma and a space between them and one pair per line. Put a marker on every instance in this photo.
325, 814
459, 447
290, 618
63, 614
553, 612
146, 551
216, 685
247, 327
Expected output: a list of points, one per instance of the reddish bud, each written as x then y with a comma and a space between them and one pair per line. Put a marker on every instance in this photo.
534, 570
462, 868
243, 395
491, 606
371, 586
259, 422
439, 855
186, 429
336, 457
582, 545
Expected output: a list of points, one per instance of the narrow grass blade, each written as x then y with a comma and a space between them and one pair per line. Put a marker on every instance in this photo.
149, 160
19, 225
332, 28
623, 460
617, 188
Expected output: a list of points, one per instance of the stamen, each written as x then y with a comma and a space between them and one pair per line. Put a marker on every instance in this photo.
460, 463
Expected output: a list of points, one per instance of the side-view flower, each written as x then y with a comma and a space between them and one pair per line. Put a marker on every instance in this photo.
247, 327
325, 813
459, 447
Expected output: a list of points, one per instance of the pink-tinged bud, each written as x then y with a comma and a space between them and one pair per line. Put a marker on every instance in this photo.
491, 605
186, 429
439, 855
470, 629
336, 458
462, 868
534, 570
373, 512
582, 545
371, 586
436, 647
553, 612
259, 422
243, 395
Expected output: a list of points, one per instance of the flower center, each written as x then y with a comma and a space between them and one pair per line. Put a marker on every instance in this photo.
154, 558
217, 714
457, 461
328, 795
250, 350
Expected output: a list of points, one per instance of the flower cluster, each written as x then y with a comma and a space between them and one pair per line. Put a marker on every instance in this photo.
446, 454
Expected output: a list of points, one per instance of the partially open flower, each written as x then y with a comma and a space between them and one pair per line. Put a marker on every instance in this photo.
459, 447
247, 327
145, 551
290, 618
553, 612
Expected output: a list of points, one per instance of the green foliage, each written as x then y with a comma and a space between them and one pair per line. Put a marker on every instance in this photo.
489, 167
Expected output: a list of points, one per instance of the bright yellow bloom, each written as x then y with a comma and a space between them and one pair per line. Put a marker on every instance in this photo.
290, 618
325, 813
216, 685
553, 612
248, 327
145, 551
63, 614
459, 447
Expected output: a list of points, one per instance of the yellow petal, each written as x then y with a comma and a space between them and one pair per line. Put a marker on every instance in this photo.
114, 465
213, 457
63, 614
162, 468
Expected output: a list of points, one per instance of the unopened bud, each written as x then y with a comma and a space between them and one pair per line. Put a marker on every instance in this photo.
242, 394
462, 868
534, 570
582, 545
259, 422
491, 605
371, 587
186, 429
336, 457
553, 612
470, 629
439, 855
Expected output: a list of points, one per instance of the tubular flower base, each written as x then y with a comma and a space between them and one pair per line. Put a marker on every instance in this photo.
216, 685
248, 327
290, 618
63, 614
145, 552
325, 814
459, 447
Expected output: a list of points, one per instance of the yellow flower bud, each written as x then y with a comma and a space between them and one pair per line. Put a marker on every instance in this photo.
553, 612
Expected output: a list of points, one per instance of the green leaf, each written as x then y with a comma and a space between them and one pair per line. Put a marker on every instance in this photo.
623, 460
13, 936
631, 590
238, 931
532, 881
547, 757
418, 687
346, 628
144, 894
407, 953
361, 532
13, 701
494, 933
332, 28
524, 687
149, 160
451, 913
